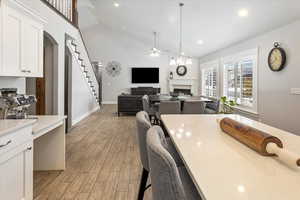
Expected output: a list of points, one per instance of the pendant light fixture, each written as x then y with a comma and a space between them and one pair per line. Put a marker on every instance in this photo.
155, 52
180, 59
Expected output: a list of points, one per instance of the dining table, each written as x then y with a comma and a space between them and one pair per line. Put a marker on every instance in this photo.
223, 168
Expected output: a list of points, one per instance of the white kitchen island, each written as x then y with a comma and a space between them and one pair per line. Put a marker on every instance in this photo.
223, 168
27, 145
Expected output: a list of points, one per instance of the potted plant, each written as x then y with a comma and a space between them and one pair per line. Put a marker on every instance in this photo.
227, 105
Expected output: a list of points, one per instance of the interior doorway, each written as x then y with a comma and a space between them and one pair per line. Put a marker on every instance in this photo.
45, 88
68, 88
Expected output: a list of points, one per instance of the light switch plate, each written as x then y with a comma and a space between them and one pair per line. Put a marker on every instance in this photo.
295, 91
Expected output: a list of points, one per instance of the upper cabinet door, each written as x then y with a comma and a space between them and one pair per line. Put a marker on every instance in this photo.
32, 51
22, 39
11, 50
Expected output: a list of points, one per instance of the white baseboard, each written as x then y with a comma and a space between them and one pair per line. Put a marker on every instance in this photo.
109, 102
75, 121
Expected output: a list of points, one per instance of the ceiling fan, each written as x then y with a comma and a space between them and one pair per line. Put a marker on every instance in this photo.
156, 51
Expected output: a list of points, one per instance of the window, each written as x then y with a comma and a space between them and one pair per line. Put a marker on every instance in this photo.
209, 79
239, 78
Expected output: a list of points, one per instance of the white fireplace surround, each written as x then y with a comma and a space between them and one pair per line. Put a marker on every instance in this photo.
191, 84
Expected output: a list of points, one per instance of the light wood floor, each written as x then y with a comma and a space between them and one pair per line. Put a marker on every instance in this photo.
102, 162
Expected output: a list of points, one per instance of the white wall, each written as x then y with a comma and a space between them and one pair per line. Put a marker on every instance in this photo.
83, 102
8, 82
276, 106
107, 45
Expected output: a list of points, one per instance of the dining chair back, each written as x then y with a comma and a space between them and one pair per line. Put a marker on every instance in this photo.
212, 107
165, 178
143, 125
170, 107
146, 103
193, 107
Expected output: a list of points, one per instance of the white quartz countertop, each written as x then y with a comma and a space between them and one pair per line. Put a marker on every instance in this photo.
40, 124
223, 168
10, 125
45, 122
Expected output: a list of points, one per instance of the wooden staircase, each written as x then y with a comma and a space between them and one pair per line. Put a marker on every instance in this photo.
86, 67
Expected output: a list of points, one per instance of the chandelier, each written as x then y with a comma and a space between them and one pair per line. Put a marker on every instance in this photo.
181, 59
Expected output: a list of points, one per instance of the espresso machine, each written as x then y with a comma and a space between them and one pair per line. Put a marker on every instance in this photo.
13, 105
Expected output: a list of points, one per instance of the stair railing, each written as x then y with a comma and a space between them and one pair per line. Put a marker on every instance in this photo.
65, 8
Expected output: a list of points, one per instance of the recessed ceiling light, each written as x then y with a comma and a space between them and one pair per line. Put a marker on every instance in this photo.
200, 42
116, 4
243, 12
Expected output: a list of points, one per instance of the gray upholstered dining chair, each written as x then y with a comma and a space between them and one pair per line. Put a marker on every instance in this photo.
170, 107
193, 107
169, 182
146, 104
151, 110
212, 107
143, 125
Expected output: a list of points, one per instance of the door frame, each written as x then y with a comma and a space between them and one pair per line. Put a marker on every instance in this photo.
68, 89
54, 81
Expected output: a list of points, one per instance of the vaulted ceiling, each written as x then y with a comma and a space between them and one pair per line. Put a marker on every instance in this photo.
215, 22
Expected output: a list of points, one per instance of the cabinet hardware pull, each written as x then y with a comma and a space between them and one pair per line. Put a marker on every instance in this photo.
29, 148
4, 145
23, 71
29, 71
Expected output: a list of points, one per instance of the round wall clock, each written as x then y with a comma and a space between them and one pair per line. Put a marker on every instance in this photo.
277, 58
181, 70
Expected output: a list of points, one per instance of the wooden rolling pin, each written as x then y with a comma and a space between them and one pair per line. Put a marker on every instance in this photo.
261, 142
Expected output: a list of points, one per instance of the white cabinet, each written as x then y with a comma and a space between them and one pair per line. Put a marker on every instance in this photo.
16, 173
32, 51
11, 50
16, 165
22, 42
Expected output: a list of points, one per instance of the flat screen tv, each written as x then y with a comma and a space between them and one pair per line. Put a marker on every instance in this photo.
144, 75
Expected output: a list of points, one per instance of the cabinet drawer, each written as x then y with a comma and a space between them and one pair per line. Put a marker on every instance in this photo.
14, 139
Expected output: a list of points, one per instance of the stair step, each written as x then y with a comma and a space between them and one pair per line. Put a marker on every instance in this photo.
73, 43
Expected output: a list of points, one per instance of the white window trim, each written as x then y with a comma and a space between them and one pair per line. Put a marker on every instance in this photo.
211, 64
238, 56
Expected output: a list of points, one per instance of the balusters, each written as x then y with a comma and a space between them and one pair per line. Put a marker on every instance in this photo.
65, 7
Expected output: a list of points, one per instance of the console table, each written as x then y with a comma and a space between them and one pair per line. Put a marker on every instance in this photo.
129, 104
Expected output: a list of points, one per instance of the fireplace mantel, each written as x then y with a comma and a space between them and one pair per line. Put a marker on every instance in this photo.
191, 84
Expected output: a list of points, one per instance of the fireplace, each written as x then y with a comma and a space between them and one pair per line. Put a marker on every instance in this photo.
186, 86
182, 91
